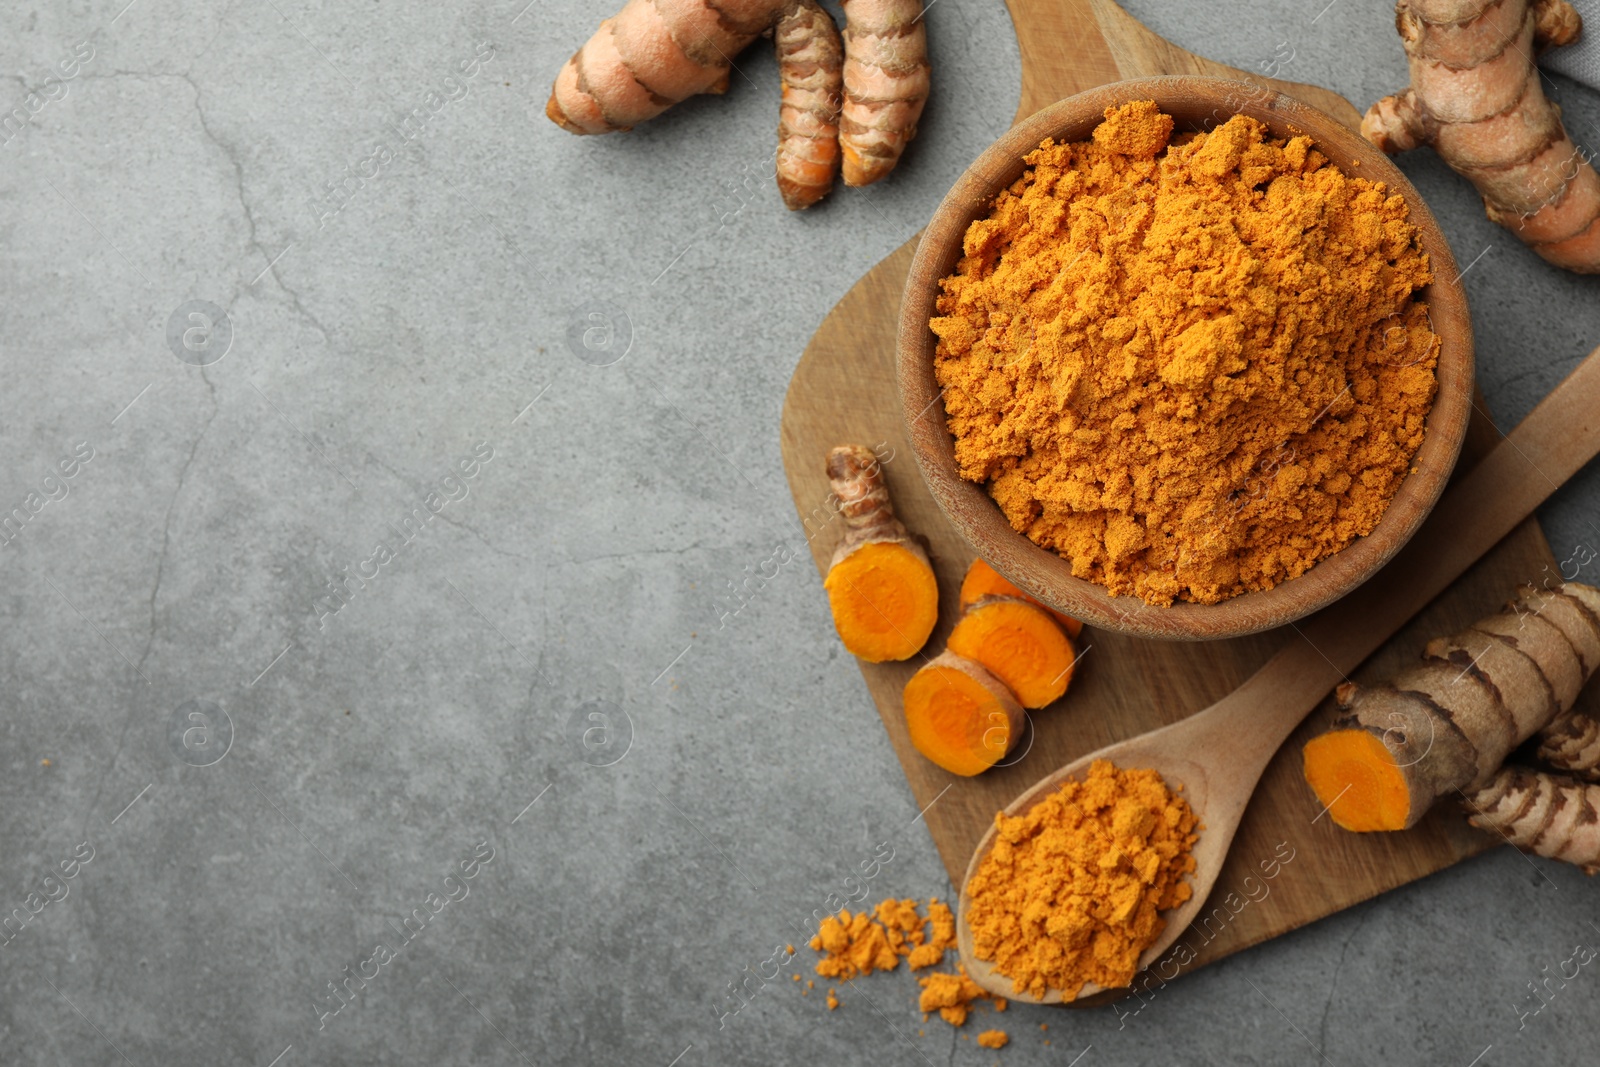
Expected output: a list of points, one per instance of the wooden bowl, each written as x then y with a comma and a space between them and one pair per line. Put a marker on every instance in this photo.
1195, 103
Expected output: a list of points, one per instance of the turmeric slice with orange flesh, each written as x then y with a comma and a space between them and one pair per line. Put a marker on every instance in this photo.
960, 716
983, 580
1362, 776
1020, 644
880, 584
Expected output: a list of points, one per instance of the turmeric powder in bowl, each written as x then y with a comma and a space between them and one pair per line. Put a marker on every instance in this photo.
1193, 366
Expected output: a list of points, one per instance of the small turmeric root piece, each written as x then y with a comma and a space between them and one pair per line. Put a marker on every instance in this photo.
1571, 744
880, 584
983, 580
652, 55
1448, 724
811, 69
1475, 97
1020, 644
960, 716
1548, 815
885, 84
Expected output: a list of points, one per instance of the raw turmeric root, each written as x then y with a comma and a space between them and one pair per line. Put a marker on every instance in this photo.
1548, 815
656, 53
1020, 644
1572, 744
983, 580
960, 716
880, 584
885, 84
652, 55
1447, 724
1475, 97
811, 68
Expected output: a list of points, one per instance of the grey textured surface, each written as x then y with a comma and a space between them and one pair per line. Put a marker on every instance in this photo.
1580, 60
738, 775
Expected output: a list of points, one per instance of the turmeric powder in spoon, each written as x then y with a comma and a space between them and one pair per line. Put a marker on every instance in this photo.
1073, 889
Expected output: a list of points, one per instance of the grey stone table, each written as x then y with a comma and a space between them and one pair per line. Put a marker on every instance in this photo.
357, 603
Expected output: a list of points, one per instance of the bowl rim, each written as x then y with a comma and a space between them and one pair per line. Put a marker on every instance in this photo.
1042, 573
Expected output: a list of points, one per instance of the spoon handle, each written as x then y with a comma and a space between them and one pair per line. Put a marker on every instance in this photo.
1549, 446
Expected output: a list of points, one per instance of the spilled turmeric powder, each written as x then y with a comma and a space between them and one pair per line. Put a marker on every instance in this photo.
1194, 366
855, 944
993, 1039
952, 996
1072, 890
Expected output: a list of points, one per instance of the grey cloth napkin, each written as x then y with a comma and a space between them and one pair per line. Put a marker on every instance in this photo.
1580, 61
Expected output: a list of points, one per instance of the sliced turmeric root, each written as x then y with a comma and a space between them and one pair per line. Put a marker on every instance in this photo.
983, 580
1020, 644
880, 585
960, 716
1444, 727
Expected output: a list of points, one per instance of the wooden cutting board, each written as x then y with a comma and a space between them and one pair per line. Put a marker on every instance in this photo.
844, 391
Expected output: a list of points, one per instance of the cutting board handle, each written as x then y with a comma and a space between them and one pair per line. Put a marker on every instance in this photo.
1069, 46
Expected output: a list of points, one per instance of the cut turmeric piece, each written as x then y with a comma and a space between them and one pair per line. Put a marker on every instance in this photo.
1445, 726
880, 585
1020, 644
983, 580
885, 601
960, 716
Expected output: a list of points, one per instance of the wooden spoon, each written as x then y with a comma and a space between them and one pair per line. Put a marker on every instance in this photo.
1217, 755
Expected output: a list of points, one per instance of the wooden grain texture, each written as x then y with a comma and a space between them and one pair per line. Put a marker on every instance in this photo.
844, 390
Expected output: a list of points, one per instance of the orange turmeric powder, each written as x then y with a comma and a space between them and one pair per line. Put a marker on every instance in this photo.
1194, 366
1072, 890
855, 944
952, 996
